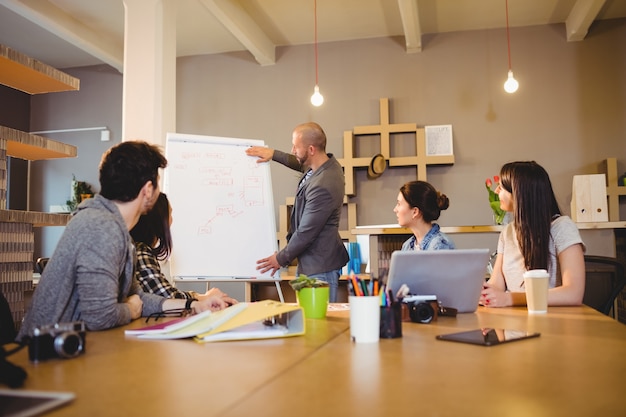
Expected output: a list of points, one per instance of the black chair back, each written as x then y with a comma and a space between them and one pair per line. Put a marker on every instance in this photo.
41, 264
604, 280
7, 325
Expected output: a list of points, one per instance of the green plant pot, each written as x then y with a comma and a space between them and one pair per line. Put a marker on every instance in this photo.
314, 301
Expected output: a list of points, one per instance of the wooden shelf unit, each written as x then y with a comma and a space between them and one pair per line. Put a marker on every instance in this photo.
26, 74
17, 237
33, 147
17, 240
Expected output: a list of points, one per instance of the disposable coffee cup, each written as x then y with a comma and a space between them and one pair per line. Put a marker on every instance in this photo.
536, 284
364, 319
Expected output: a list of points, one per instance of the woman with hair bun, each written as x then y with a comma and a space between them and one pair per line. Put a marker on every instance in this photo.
419, 204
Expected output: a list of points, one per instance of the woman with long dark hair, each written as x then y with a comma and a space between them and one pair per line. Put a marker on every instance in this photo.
153, 243
539, 237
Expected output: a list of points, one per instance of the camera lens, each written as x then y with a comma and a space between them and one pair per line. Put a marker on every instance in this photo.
421, 312
68, 345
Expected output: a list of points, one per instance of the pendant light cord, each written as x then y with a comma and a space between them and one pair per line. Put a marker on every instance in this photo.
315, 39
508, 39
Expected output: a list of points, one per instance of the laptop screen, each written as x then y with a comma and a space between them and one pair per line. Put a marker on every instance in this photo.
455, 276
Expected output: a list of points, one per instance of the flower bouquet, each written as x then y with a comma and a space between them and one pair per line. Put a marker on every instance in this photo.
494, 200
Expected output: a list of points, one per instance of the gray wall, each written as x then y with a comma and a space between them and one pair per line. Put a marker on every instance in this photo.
97, 103
568, 113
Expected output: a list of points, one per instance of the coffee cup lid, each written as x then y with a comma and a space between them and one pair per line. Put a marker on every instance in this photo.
536, 273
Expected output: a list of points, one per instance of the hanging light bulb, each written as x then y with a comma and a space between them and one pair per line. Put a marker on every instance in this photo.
510, 85
316, 99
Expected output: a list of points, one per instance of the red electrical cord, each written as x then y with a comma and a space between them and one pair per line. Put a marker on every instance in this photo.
508, 39
315, 41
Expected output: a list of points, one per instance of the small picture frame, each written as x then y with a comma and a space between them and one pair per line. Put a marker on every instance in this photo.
438, 140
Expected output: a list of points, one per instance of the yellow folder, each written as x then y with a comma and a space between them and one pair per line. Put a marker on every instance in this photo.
257, 320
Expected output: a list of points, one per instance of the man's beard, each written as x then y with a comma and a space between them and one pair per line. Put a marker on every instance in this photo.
303, 161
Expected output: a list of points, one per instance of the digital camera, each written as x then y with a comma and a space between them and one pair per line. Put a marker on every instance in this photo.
61, 340
422, 308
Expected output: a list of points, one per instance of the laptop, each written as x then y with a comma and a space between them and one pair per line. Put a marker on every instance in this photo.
455, 276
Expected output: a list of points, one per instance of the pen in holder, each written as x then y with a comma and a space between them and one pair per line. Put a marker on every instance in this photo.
391, 321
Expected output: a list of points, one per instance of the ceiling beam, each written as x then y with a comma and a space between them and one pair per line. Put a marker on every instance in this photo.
56, 21
581, 17
411, 25
244, 28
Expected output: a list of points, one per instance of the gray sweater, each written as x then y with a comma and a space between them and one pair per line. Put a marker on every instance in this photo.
90, 273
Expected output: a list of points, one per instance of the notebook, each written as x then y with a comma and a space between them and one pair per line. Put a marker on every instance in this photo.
455, 276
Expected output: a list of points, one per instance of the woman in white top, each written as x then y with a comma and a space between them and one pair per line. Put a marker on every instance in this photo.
539, 237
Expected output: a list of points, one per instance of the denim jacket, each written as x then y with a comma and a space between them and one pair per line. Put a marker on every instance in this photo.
434, 240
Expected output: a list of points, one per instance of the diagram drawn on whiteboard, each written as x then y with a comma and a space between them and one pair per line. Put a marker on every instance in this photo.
251, 196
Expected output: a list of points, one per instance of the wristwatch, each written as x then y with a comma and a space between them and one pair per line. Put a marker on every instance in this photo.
188, 303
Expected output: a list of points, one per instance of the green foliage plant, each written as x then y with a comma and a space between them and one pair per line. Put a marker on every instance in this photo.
302, 281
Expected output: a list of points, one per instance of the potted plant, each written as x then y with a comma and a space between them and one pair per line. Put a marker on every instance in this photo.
312, 295
80, 191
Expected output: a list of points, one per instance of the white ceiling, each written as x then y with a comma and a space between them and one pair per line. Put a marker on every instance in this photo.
72, 33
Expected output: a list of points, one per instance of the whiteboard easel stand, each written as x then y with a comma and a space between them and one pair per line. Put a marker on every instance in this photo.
280, 291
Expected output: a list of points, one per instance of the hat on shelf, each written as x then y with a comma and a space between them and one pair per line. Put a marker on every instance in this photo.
377, 166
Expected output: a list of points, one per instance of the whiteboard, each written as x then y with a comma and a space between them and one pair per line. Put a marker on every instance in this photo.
222, 208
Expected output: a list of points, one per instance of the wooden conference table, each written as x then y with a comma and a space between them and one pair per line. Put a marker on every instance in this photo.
577, 367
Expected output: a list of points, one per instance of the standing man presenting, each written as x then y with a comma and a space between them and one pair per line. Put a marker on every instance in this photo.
313, 235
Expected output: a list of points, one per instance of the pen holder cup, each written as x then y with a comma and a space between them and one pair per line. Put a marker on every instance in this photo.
391, 321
